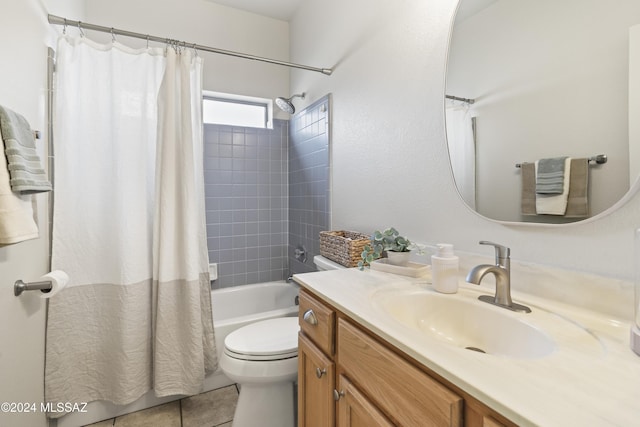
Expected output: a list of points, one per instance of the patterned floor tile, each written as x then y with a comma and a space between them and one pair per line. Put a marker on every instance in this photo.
105, 423
210, 409
167, 415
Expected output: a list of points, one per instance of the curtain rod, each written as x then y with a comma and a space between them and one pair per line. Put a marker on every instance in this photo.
457, 98
56, 20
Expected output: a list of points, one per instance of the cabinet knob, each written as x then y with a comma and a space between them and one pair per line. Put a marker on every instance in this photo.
337, 394
320, 372
310, 317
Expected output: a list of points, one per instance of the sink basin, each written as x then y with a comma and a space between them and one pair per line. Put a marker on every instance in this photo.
463, 321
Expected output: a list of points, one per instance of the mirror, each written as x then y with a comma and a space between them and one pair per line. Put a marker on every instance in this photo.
547, 79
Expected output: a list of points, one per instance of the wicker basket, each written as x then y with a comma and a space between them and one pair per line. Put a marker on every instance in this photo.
343, 247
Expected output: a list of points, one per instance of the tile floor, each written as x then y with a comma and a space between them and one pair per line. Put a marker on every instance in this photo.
211, 409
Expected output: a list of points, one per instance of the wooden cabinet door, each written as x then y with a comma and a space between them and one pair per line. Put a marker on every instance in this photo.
316, 382
355, 410
491, 422
407, 394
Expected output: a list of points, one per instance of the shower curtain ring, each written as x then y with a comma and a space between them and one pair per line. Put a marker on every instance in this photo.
113, 36
64, 29
80, 29
147, 41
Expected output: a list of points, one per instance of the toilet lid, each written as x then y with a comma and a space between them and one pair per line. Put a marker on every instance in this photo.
265, 340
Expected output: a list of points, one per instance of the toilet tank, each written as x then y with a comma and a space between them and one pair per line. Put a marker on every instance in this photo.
323, 264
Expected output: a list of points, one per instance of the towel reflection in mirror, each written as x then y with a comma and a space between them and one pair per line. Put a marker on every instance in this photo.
572, 202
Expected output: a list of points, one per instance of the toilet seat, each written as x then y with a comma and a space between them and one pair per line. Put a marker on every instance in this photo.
267, 340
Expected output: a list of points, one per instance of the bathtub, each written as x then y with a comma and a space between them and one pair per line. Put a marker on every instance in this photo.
232, 308
238, 306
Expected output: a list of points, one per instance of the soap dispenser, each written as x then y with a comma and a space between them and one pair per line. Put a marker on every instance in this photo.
444, 269
635, 325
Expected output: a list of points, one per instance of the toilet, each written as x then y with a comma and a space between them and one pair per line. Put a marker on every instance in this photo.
262, 358
324, 264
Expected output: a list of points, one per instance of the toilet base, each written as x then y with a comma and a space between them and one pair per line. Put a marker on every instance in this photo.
265, 405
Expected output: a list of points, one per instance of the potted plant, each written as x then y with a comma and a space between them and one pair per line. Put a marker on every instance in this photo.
397, 248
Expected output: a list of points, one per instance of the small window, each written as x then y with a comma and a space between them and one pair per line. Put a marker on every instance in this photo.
236, 110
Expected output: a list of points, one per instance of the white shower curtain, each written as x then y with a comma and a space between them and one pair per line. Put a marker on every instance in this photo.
462, 149
128, 226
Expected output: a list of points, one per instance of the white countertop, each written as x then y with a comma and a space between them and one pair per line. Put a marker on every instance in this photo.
570, 387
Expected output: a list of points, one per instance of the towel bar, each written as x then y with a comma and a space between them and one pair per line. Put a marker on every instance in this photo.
600, 159
19, 287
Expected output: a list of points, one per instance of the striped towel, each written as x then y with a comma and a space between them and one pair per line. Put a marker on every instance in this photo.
550, 176
27, 175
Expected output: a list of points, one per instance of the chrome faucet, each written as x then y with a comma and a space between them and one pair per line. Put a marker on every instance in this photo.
502, 271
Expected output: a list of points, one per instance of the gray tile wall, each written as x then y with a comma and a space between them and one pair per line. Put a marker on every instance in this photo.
309, 197
246, 200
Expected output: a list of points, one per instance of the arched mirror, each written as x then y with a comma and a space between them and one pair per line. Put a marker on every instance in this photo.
532, 82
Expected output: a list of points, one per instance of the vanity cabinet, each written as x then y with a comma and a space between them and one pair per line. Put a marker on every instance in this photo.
316, 383
316, 368
348, 377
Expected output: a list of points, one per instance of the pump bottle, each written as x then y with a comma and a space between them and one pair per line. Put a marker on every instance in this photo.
444, 269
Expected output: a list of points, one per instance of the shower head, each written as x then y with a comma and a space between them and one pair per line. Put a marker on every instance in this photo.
286, 105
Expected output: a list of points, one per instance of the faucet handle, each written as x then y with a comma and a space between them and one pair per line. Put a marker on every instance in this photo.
502, 252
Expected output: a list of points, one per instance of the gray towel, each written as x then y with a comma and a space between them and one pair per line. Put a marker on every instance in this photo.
550, 177
578, 201
27, 176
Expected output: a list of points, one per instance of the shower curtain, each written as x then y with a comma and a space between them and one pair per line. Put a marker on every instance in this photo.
462, 149
128, 226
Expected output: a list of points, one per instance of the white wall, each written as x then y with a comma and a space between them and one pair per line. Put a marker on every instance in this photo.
549, 79
23, 82
207, 23
390, 162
